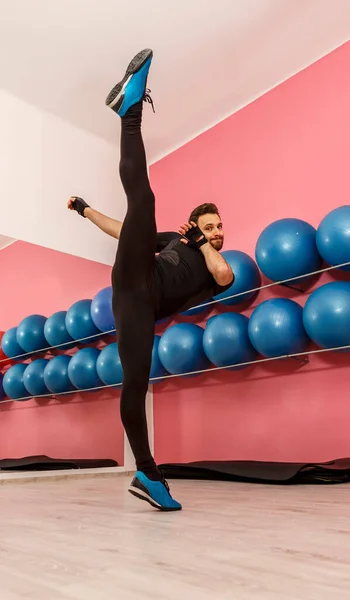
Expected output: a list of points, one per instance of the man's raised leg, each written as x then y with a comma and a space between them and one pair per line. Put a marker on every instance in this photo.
133, 279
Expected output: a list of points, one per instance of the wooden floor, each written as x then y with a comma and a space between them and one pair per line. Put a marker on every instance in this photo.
88, 539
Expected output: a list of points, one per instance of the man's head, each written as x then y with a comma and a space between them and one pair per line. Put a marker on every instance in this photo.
207, 217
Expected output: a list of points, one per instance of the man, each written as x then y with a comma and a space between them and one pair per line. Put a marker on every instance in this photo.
187, 271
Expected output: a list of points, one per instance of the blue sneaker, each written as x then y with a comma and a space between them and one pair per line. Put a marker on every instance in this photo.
157, 493
131, 89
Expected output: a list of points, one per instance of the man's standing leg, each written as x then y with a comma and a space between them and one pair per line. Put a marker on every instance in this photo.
133, 281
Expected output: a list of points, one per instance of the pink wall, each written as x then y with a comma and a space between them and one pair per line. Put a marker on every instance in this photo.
284, 155
38, 280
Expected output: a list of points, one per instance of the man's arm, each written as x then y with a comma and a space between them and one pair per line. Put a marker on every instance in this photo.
217, 265
110, 226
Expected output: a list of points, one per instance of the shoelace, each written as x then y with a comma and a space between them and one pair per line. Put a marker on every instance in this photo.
147, 98
164, 481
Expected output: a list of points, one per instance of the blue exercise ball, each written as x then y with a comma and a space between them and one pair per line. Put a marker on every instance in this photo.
181, 349
326, 315
55, 330
276, 328
101, 310
108, 365
30, 333
110, 370
82, 369
157, 369
2, 391
79, 323
13, 384
246, 277
226, 341
33, 377
333, 237
56, 375
9, 344
287, 248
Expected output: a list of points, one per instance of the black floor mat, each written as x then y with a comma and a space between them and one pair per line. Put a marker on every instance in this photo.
334, 471
45, 463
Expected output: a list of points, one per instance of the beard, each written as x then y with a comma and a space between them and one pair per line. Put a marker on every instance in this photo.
217, 244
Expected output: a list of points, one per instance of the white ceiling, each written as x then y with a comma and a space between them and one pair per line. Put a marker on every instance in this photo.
211, 58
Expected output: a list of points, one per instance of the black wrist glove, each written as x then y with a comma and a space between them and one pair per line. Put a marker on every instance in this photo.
79, 205
195, 237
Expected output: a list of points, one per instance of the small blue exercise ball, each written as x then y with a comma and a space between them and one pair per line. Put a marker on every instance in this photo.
30, 333
9, 344
82, 369
101, 310
56, 375
181, 349
157, 369
287, 248
333, 237
13, 384
2, 391
33, 377
79, 323
276, 328
108, 365
246, 277
226, 341
55, 330
326, 315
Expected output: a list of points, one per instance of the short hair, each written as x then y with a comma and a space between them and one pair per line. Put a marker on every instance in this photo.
203, 209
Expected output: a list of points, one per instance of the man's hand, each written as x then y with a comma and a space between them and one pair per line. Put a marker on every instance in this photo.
77, 204
193, 236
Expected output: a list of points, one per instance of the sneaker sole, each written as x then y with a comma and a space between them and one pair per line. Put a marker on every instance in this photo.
115, 97
143, 496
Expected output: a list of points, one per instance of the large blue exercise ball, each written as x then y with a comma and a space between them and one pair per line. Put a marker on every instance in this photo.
226, 341
2, 391
246, 277
157, 369
287, 248
13, 384
82, 369
101, 310
276, 328
9, 344
327, 315
333, 237
55, 330
30, 333
79, 323
33, 377
181, 349
108, 365
56, 375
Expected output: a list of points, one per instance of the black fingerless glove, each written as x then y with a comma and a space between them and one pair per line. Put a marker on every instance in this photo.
79, 205
195, 237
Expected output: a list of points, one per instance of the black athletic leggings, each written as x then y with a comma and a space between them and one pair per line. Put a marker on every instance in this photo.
134, 303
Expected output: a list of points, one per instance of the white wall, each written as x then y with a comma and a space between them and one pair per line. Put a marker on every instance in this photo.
43, 161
